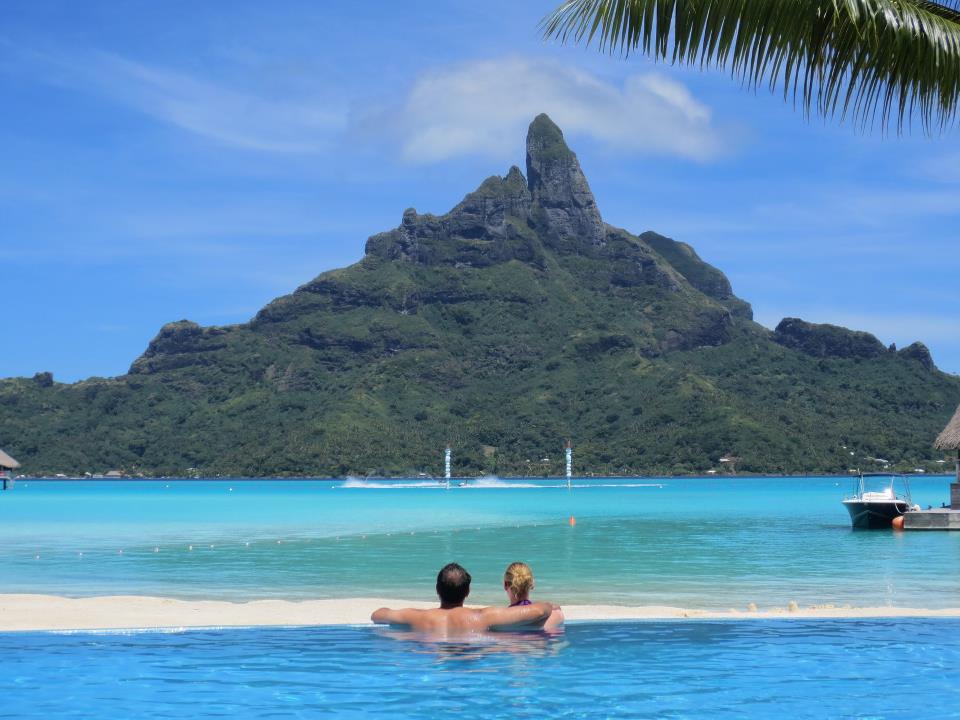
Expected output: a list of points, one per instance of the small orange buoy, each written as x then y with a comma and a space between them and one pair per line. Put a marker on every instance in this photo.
573, 521
897, 523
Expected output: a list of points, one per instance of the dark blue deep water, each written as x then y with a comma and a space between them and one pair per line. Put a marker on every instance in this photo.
692, 669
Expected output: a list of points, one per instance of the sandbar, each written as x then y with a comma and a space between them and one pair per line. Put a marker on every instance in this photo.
121, 612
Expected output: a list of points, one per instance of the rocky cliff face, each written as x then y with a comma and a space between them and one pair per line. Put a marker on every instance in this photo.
827, 341
179, 344
705, 278
832, 341
496, 222
489, 226
566, 210
919, 353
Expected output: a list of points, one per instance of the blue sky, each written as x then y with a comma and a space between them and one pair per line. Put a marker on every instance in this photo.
195, 160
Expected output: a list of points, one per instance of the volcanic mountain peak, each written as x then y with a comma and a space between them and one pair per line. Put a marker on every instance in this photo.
558, 186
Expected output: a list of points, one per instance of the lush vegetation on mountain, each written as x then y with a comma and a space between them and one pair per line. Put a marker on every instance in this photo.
514, 322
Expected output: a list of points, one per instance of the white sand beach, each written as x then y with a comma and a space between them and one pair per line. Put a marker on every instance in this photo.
50, 612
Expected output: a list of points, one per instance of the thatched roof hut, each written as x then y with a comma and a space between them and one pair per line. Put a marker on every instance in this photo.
949, 439
7, 462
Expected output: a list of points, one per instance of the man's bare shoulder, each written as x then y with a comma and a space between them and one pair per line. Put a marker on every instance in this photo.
400, 616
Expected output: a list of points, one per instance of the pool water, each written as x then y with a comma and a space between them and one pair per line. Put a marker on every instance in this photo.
691, 669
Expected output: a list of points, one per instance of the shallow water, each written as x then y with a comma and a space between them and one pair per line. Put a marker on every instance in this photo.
711, 543
755, 669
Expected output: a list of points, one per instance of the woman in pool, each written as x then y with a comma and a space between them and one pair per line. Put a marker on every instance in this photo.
518, 582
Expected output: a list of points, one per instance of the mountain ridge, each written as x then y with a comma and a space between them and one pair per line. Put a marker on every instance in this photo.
515, 320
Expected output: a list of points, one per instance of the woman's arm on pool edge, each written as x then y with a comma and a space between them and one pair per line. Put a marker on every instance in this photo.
556, 618
533, 615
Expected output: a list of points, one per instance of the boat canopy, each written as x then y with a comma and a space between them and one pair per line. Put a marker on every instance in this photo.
879, 486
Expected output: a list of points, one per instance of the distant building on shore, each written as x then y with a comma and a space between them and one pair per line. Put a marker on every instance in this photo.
7, 465
948, 440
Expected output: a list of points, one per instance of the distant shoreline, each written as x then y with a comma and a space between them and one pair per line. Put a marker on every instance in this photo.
462, 478
22, 613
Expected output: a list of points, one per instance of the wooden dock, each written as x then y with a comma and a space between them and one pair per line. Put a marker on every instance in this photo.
933, 519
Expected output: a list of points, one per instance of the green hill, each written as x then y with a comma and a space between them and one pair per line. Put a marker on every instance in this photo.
513, 322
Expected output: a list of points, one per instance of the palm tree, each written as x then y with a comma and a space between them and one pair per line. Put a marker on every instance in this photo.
874, 62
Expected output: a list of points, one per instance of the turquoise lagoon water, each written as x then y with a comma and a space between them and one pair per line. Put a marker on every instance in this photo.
709, 543
694, 669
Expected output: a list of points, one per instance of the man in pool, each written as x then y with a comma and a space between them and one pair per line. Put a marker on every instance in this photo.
452, 618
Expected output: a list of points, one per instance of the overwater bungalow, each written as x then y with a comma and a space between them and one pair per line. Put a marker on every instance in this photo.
949, 440
7, 466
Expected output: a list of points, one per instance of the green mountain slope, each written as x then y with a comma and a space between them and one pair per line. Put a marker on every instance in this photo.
515, 321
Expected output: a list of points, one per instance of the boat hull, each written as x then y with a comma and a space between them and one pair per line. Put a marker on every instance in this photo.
874, 515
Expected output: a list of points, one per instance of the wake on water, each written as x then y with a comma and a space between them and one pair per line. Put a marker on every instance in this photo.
487, 482
353, 483
481, 483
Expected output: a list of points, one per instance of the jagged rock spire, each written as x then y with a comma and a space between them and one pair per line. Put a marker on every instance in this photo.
558, 186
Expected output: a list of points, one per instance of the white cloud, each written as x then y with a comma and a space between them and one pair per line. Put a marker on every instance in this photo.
483, 107
233, 116
480, 107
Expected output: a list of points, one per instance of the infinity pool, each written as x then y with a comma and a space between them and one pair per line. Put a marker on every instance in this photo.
691, 669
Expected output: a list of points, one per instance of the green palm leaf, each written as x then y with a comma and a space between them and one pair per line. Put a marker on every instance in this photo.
875, 62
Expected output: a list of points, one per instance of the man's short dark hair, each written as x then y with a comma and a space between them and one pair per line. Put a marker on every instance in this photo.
453, 584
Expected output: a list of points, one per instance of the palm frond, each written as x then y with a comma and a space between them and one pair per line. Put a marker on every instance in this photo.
875, 62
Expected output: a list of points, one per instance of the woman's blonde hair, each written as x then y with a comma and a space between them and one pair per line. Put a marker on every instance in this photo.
519, 577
